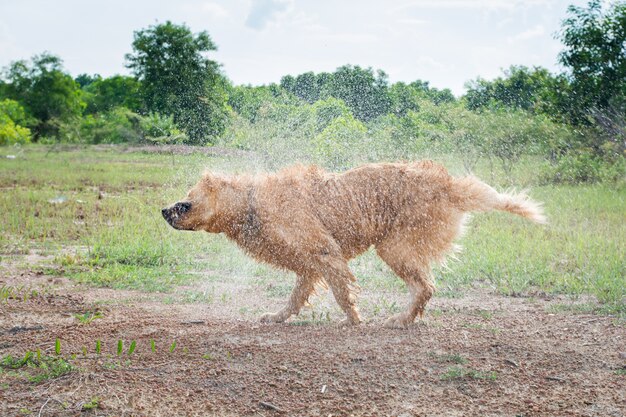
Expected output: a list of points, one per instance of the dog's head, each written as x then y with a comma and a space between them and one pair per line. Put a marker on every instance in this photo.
197, 210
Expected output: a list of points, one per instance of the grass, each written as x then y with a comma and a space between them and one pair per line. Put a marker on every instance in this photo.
37, 368
448, 357
109, 232
454, 373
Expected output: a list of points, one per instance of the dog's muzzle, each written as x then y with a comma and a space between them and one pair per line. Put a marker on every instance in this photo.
173, 213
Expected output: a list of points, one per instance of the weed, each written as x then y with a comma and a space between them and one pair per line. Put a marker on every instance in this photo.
448, 357
131, 349
459, 372
93, 404
43, 368
88, 316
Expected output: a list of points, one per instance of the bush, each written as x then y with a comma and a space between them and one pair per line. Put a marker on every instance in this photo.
341, 143
12, 115
116, 126
160, 129
121, 125
583, 166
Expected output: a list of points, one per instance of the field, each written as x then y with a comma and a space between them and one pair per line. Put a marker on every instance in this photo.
106, 310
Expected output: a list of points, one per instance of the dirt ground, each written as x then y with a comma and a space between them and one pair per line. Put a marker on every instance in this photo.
478, 355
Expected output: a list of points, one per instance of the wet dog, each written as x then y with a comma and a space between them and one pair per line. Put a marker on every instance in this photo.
313, 222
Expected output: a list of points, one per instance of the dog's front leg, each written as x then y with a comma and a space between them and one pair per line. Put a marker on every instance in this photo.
305, 284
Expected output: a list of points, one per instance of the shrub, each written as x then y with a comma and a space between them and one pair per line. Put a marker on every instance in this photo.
584, 166
161, 129
12, 116
340, 143
116, 126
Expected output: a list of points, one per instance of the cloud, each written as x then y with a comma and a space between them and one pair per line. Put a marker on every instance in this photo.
470, 4
527, 34
265, 11
214, 9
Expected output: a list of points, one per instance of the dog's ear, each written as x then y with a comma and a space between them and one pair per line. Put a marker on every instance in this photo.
212, 181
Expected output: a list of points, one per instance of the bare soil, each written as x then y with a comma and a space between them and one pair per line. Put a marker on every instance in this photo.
479, 355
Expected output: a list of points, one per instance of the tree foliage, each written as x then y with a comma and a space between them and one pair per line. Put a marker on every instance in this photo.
104, 94
177, 79
12, 121
47, 93
594, 39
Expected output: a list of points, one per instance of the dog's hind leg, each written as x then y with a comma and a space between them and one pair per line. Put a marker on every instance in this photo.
305, 285
407, 263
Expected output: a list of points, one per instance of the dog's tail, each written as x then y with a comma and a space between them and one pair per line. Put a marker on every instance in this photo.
471, 194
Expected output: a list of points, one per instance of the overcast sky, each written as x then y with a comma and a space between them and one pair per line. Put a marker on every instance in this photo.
445, 42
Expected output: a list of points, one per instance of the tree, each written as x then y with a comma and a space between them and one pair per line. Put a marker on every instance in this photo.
105, 94
84, 80
364, 92
595, 54
520, 88
47, 93
12, 119
177, 79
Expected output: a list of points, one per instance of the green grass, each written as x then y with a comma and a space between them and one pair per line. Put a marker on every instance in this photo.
109, 231
454, 373
36, 368
448, 357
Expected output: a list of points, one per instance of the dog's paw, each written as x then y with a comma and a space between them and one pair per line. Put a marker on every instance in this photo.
398, 321
272, 318
350, 322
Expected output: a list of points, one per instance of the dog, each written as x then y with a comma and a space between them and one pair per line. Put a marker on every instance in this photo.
312, 222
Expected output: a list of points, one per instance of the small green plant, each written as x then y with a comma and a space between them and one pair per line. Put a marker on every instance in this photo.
88, 316
98, 346
448, 357
120, 347
173, 346
48, 367
57, 346
91, 405
152, 346
459, 372
131, 349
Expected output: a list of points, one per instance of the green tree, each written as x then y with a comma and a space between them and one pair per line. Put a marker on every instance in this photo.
106, 94
246, 100
520, 88
594, 38
12, 121
177, 79
364, 91
84, 80
326, 111
341, 143
47, 93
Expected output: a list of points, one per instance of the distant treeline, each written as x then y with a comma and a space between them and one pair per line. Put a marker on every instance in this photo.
577, 119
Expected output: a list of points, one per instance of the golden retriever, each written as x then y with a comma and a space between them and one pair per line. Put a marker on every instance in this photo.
312, 222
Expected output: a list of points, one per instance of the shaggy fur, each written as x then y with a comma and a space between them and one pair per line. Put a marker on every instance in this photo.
312, 222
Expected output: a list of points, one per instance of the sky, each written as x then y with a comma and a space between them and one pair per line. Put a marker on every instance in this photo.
445, 42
